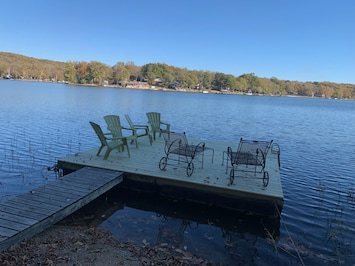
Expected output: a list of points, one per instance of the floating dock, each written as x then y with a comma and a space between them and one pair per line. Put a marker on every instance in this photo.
208, 185
30, 213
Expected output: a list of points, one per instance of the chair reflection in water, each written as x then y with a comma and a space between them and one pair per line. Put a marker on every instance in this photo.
172, 230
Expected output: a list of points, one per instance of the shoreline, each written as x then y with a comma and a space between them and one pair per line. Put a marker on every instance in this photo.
178, 90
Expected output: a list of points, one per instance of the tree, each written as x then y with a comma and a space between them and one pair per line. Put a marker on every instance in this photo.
70, 72
120, 73
151, 72
224, 82
305, 89
1, 70
180, 75
248, 82
134, 71
82, 72
242, 84
205, 79
191, 79
98, 72
326, 91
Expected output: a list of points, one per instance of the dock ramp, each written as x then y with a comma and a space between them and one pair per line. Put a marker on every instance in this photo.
30, 213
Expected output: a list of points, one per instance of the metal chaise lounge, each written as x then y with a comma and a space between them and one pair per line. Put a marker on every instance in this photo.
249, 157
178, 150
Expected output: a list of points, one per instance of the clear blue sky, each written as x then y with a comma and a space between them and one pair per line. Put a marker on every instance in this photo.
304, 40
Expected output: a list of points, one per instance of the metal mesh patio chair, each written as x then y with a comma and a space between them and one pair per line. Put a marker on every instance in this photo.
249, 157
177, 149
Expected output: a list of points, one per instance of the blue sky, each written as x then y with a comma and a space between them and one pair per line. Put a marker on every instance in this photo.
303, 40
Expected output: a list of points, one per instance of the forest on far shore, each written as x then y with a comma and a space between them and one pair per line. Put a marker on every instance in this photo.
15, 66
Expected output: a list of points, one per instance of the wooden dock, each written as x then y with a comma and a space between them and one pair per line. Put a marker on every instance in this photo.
207, 185
28, 214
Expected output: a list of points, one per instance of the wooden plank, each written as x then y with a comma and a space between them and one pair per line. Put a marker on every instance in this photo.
18, 201
57, 204
6, 232
16, 218
70, 192
54, 203
30, 212
55, 196
13, 225
29, 207
143, 164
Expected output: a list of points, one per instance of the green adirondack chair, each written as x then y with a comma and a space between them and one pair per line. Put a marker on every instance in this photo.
156, 124
110, 143
138, 131
115, 127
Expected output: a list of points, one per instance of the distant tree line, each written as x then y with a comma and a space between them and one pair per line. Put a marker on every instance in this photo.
16, 66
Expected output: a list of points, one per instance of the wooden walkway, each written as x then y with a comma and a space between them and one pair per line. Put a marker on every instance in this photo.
211, 180
29, 214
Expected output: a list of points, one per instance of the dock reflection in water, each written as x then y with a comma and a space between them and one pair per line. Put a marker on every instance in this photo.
218, 235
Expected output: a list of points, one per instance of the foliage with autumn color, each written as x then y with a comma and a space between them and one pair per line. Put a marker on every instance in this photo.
16, 66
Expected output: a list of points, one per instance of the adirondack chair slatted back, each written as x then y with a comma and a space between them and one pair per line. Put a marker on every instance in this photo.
114, 125
110, 143
138, 131
154, 120
129, 120
99, 133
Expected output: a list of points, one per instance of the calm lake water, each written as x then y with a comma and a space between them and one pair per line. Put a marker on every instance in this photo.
41, 123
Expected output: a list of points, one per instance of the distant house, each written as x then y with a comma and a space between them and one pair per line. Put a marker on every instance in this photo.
137, 85
174, 85
104, 83
157, 81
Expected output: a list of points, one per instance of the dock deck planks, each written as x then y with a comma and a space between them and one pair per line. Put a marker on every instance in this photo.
28, 214
143, 165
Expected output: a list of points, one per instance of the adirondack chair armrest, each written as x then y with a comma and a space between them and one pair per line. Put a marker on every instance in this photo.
124, 139
141, 126
108, 134
127, 128
166, 124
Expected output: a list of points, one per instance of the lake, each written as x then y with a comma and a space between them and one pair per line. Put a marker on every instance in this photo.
43, 122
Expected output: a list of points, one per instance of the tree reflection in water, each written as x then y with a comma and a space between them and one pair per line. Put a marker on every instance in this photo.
190, 229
